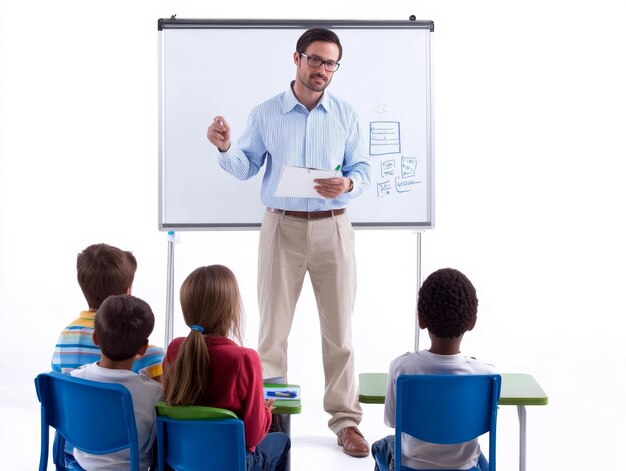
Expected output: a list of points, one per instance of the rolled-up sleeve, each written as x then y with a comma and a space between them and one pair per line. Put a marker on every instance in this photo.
244, 159
356, 159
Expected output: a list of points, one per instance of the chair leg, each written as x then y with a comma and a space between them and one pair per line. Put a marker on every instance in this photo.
58, 451
43, 453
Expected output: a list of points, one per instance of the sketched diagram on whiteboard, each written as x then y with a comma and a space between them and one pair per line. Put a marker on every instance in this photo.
385, 141
384, 137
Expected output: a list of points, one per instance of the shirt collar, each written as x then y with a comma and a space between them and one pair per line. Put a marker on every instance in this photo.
91, 315
290, 101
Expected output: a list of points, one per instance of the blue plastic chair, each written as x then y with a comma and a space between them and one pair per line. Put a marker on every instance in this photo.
193, 438
447, 409
95, 417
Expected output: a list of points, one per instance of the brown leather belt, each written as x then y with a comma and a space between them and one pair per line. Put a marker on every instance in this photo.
308, 215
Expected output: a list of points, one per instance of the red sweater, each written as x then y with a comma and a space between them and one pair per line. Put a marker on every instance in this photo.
235, 383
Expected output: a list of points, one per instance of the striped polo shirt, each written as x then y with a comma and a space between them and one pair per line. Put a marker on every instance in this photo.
75, 348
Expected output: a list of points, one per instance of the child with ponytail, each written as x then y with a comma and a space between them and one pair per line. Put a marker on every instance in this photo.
207, 368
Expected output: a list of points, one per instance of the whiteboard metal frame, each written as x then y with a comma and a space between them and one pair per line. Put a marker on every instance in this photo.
187, 23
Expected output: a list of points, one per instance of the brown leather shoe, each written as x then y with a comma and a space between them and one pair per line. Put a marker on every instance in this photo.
352, 441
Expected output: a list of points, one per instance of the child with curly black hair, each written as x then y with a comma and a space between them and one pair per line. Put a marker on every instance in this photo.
447, 307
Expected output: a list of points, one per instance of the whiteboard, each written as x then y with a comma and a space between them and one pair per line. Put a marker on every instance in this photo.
226, 67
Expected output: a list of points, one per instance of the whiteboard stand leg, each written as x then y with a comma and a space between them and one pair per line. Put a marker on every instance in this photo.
419, 284
169, 292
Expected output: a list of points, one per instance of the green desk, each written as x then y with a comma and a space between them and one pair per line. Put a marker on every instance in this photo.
518, 389
372, 388
285, 406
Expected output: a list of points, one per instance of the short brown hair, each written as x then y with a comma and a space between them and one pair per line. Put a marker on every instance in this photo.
318, 34
103, 270
123, 324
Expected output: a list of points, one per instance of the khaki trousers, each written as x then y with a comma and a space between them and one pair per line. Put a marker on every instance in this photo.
288, 248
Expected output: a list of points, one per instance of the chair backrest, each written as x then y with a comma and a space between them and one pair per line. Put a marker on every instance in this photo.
193, 437
95, 417
447, 409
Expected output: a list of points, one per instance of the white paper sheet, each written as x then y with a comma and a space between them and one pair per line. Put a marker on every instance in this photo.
299, 181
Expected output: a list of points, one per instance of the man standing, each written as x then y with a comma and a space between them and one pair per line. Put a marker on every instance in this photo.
306, 126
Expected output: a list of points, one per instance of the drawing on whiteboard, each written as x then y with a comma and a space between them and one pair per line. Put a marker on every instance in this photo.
387, 107
383, 189
406, 184
408, 166
388, 168
384, 137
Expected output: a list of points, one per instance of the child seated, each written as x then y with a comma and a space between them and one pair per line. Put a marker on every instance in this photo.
447, 307
207, 368
123, 325
102, 271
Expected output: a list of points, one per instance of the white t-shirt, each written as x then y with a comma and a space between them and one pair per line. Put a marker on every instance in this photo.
145, 392
418, 454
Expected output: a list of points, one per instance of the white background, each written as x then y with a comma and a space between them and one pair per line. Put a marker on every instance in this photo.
529, 103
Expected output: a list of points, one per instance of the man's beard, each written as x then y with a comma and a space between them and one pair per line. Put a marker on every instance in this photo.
313, 87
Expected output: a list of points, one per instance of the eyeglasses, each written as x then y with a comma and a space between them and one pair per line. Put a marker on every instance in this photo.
315, 62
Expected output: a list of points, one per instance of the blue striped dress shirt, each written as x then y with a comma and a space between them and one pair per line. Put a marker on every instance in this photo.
282, 131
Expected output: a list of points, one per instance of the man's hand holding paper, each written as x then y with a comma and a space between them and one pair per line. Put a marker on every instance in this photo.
304, 182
